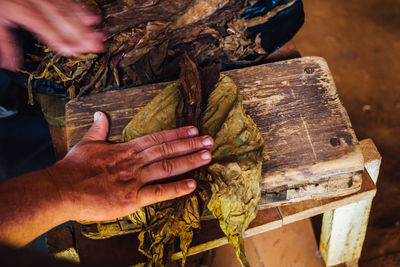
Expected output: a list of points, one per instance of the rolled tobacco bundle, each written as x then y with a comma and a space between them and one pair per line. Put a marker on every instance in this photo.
229, 187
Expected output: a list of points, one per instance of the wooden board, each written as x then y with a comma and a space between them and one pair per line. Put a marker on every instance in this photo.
308, 136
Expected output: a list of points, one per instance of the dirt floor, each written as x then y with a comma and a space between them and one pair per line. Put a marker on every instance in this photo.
361, 42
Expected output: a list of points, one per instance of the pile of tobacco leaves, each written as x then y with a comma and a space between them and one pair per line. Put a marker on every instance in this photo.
147, 37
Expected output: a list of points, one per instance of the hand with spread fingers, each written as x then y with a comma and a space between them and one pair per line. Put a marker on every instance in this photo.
98, 180
104, 181
64, 25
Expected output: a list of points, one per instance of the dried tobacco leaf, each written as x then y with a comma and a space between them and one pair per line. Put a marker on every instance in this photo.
233, 177
178, 218
146, 37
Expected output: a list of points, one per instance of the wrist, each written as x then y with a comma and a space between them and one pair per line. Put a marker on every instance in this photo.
57, 177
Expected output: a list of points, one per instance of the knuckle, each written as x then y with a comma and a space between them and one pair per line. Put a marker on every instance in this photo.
191, 160
176, 189
159, 191
192, 143
137, 159
167, 166
136, 146
137, 172
166, 149
132, 195
157, 138
181, 132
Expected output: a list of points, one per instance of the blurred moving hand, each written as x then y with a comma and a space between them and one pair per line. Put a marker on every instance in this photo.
63, 25
101, 181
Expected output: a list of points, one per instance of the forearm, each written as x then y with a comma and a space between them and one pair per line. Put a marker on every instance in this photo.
30, 205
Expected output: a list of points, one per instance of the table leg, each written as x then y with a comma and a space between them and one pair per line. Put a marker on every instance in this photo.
343, 229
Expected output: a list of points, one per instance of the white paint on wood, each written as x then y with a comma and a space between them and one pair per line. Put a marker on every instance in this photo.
344, 228
343, 232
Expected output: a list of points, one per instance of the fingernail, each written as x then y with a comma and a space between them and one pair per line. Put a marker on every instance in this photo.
205, 155
207, 141
190, 184
97, 115
193, 131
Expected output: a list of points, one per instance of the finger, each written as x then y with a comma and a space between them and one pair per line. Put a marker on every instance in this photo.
10, 56
173, 167
87, 17
161, 192
175, 148
158, 138
99, 129
32, 18
69, 26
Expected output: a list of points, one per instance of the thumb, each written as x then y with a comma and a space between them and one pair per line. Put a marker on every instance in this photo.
99, 129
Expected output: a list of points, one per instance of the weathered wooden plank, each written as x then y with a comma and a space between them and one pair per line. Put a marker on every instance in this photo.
343, 229
308, 208
308, 135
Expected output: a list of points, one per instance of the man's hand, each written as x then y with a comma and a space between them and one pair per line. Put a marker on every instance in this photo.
102, 181
63, 25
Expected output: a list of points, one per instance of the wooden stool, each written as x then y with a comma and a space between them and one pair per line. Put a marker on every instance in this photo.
345, 217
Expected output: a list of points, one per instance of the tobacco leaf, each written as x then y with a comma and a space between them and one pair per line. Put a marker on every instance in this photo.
146, 38
229, 186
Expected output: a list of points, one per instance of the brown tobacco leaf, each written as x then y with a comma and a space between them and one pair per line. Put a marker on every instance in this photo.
146, 39
188, 111
229, 187
176, 218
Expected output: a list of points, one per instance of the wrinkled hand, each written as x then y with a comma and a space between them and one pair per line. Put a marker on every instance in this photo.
62, 24
101, 181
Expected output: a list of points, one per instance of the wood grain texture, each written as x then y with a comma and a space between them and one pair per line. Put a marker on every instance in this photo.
308, 135
372, 158
309, 208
